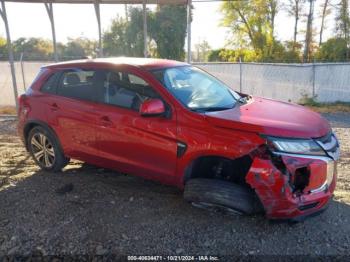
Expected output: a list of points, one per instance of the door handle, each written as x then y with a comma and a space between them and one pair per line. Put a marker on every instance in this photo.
54, 107
106, 121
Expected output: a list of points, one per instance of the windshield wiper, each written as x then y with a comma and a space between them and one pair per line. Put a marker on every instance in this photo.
211, 109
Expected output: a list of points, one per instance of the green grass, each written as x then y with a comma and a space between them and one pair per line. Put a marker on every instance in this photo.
325, 107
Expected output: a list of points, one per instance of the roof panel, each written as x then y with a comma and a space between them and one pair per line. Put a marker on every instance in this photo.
146, 63
102, 1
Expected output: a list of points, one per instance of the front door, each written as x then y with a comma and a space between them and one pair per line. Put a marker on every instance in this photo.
144, 146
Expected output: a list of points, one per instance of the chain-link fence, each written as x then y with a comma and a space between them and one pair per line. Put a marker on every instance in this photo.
328, 82
24, 79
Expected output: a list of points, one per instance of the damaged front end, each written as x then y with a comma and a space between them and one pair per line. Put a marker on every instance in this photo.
294, 178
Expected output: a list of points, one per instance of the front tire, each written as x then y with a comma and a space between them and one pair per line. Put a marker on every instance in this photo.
45, 150
223, 196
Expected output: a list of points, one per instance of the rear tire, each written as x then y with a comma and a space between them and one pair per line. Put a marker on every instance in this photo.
218, 195
45, 149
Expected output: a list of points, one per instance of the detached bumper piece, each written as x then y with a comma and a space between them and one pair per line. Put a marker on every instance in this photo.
293, 186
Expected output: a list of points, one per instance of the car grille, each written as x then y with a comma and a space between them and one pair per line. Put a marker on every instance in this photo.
330, 144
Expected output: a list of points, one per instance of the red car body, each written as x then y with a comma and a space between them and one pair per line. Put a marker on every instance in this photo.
124, 140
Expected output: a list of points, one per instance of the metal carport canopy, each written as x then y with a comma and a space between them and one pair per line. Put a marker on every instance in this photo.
102, 1
49, 8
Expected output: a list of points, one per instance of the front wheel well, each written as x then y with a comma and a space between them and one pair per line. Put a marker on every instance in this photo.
222, 177
222, 168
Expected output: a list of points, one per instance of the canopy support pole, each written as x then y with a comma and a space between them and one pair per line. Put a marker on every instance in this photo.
189, 54
126, 12
49, 9
144, 11
10, 51
98, 16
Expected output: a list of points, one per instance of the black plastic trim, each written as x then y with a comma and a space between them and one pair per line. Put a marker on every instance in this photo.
181, 149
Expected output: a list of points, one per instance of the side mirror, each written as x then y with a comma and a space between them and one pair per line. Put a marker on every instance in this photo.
152, 107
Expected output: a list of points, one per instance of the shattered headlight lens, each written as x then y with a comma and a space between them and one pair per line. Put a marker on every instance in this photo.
295, 146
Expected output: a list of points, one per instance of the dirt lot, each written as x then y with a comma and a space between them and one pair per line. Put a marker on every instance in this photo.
87, 210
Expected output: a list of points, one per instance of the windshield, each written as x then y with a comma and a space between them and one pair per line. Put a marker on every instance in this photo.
196, 89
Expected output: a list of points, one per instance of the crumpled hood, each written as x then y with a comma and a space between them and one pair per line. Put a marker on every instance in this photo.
271, 117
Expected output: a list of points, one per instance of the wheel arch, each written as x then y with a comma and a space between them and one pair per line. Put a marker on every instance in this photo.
238, 167
34, 123
238, 176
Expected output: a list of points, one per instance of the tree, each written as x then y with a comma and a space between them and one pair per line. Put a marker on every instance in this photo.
73, 50
252, 24
325, 12
33, 48
333, 50
168, 29
202, 50
343, 23
272, 9
294, 9
134, 31
125, 36
166, 38
214, 55
292, 52
79, 47
41, 49
309, 32
114, 40
3, 48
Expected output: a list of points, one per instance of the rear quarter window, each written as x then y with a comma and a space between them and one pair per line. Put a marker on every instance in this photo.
38, 76
50, 85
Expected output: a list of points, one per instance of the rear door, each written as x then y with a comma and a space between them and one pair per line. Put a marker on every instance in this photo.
144, 146
72, 113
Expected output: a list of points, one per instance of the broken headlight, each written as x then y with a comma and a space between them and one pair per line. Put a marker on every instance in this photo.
295, 146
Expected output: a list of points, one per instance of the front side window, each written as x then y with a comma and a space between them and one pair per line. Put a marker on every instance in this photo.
196, 89
123, 89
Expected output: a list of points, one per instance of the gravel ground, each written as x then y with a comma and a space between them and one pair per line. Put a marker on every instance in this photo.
87, 210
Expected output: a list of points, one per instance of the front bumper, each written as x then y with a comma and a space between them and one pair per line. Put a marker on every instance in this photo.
294, 186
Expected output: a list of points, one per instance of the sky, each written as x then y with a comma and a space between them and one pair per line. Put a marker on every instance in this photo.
31, 20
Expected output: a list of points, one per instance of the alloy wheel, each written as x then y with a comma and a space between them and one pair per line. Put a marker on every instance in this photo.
43, 150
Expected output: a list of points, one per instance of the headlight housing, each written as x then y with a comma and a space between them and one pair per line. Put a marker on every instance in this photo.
295, 146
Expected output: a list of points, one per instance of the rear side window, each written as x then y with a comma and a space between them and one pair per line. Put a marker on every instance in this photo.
104, 86
77, 84
51, 84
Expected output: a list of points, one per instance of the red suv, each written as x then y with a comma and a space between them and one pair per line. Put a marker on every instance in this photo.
172, 122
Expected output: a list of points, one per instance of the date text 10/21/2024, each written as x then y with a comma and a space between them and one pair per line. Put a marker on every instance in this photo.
173, 258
